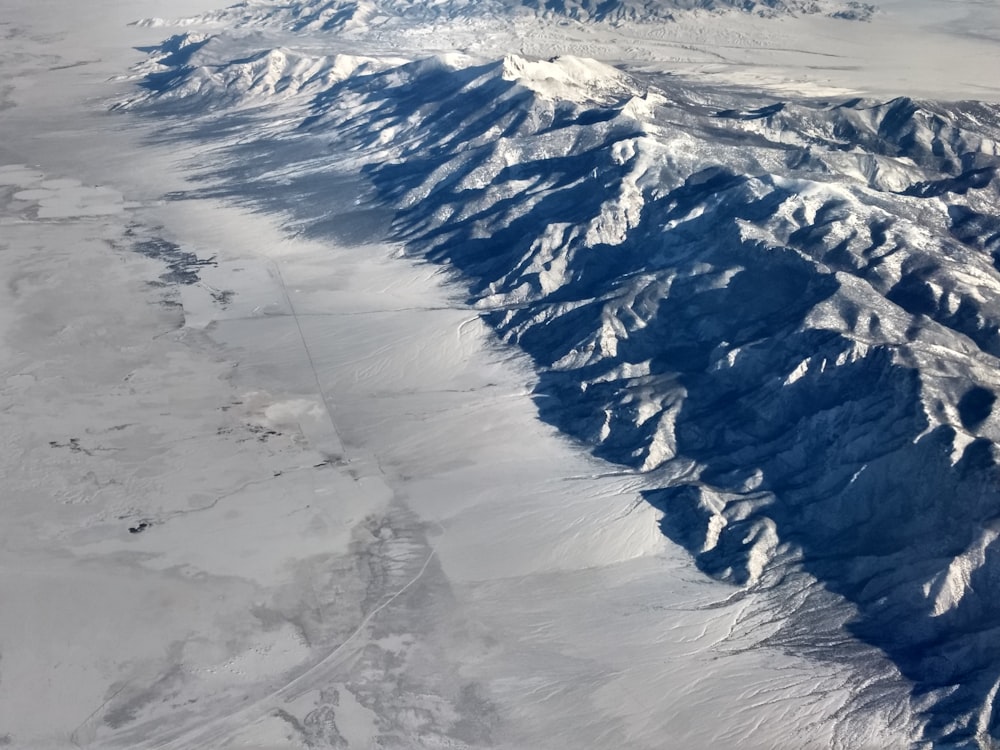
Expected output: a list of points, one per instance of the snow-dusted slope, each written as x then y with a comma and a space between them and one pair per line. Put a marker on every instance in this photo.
785, 314
195, 68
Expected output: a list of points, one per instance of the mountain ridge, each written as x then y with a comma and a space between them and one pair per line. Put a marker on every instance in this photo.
784, 315
352, 15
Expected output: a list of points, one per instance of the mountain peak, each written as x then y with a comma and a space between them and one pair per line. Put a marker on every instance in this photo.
569, 78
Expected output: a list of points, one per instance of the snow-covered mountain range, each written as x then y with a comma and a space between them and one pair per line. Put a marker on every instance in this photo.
784, 314
341, 15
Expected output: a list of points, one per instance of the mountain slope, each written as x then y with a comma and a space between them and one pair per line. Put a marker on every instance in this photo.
785, 315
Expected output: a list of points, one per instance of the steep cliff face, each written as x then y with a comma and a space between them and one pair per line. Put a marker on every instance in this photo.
786, 315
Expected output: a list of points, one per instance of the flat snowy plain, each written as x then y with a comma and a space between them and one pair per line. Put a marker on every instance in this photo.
267, 487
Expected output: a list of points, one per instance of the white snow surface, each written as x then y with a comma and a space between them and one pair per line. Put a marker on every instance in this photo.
279, 332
